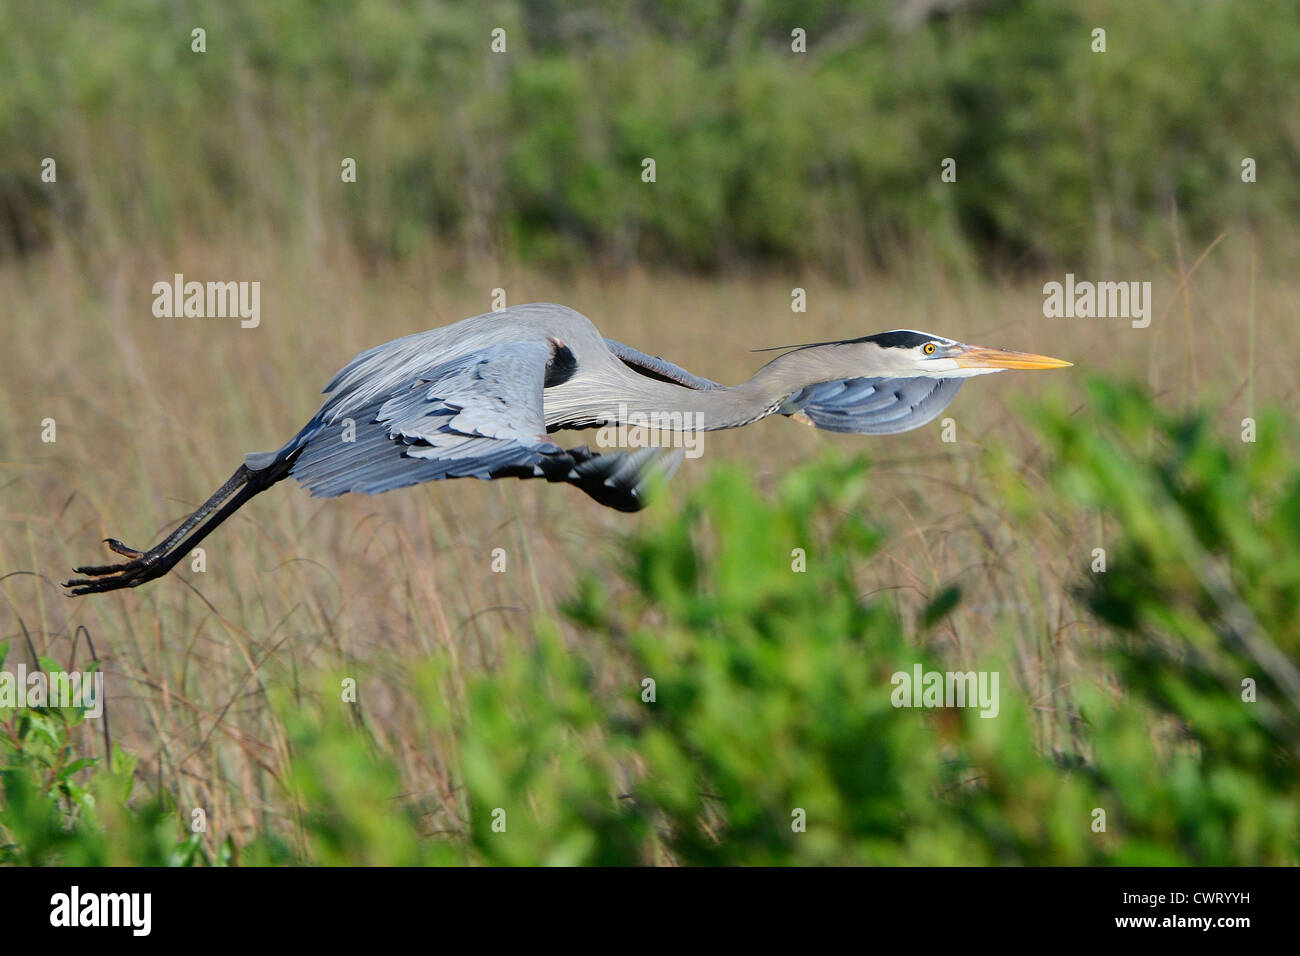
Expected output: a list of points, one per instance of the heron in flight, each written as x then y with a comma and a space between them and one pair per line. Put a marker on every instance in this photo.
484, 397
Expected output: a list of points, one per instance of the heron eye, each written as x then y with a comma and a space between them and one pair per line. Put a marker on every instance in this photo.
928, 348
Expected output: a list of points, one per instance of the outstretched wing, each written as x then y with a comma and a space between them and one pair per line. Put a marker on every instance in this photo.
872, 406
478, 415
469, 416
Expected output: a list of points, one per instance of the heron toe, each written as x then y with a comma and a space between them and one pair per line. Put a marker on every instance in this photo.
126, 551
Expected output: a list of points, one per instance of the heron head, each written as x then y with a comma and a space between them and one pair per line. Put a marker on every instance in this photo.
908, 352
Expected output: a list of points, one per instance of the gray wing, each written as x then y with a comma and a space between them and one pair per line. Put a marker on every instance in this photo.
659, 368
473, 416
873, 406
478, 414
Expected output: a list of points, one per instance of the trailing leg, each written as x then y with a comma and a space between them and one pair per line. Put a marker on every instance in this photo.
154, 563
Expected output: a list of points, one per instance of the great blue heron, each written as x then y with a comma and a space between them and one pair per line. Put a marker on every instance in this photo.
482, 397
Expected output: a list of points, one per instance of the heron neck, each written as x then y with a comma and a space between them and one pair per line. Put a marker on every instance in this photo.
677, 408
727, 407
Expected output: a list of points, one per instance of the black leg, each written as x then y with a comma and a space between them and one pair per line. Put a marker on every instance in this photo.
158, 560
236, 481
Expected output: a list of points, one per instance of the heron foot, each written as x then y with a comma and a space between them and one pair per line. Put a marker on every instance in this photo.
144, 566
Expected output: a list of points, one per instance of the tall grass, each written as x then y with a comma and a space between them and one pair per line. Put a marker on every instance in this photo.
152, 414
706, 699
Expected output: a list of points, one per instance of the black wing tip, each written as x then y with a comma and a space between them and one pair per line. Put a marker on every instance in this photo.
621, 480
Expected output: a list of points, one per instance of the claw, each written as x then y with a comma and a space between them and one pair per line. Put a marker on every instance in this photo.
93, 586
129, 577
99, 570
111, 577
80, 585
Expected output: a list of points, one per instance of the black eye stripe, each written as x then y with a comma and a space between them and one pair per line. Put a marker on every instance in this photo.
898, 339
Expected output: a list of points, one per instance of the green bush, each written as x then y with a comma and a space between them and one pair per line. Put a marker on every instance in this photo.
60, 808
829, 158
1203, 594
773, 687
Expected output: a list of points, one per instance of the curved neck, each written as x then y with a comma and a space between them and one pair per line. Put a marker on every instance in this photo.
641, 400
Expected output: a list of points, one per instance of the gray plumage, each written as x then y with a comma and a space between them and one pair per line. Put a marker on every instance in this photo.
485, 398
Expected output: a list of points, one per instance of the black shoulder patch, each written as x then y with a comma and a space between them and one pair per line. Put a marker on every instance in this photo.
561, 367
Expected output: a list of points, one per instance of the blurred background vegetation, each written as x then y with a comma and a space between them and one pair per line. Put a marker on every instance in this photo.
520, 692
829, 158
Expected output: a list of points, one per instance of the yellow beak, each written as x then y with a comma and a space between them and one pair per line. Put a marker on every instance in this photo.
976, 356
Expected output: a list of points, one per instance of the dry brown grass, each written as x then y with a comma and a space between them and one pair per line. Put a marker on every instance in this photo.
152, 414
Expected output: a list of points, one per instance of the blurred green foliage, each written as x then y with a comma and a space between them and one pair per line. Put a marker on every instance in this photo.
829, 157
57, 807
772, 688
1203, 593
